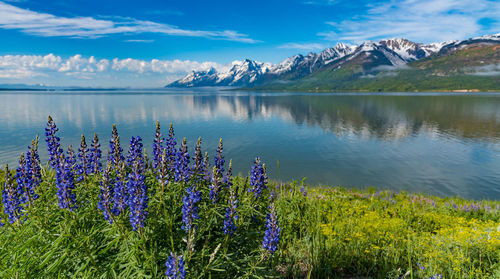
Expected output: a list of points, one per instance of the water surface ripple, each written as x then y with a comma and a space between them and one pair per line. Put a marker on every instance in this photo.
445, 144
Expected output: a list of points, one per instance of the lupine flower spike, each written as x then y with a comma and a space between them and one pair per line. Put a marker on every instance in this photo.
272, 234
95, 164
189, 207
106, 195
83, 169
157, 147
33, 172
115, 151
228, 178
175, 267
198, 167
53, 145
10, 199
170, 146
219, 158
215, 185
182, 171
120, 194
258, 179
231, 214
206, 175
22, 182
135, 152
71, 159
136, 186
162, 173
65, 183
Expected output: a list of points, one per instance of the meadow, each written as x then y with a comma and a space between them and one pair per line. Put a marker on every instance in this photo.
180, 214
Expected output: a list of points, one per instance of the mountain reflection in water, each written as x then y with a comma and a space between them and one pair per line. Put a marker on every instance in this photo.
436, 143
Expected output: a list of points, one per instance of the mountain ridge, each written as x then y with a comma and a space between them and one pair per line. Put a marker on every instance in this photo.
342, 62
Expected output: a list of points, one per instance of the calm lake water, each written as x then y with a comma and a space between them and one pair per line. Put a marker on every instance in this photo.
444, 144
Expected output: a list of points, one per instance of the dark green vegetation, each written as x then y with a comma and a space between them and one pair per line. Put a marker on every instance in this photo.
326, 233
468, 68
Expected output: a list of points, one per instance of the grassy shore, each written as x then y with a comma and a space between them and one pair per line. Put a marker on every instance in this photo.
325, 233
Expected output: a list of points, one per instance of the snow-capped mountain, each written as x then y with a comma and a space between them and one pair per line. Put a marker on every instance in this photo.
368, 55
240, 73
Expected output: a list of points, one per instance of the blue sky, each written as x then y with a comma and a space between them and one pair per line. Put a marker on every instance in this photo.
150, 43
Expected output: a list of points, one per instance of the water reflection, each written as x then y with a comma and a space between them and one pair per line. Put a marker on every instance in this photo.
441, 144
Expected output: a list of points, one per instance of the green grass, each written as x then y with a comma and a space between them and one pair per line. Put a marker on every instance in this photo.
329, 233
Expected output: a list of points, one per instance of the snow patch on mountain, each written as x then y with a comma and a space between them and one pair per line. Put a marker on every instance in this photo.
398, 51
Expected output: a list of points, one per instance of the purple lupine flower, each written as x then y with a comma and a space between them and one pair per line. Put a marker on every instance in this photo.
162, 173
157, 147
189, 207
136, 185
258, 178
22, 181
71, 157
10, 199
175, 267
303, 191
228, 178
206, 175
115, 152
182, 171
170, 146
83, 168
215, 186
53, 145
219, 158
105, 203
120, 194
138, 198
420, 266
231, 214
198, 166
95, 165
65, 182
135, 152
436, 276
33, 172
272, 234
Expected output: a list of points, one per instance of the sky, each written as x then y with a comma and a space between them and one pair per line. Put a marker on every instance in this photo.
147, 44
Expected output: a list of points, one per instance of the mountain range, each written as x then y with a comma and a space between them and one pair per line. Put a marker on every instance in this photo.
387, 65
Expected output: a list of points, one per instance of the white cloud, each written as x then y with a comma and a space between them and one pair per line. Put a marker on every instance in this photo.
419, 20
320, 2
302, 46
139, 41
162, 66
486, 70
78, 64
48, 25
56, 70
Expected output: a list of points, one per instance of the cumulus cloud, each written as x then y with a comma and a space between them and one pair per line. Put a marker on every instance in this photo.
58, 70
162, 66
79, 64
48, 25
419, 20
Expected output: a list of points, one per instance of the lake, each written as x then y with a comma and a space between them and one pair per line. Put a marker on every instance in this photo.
435, 143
